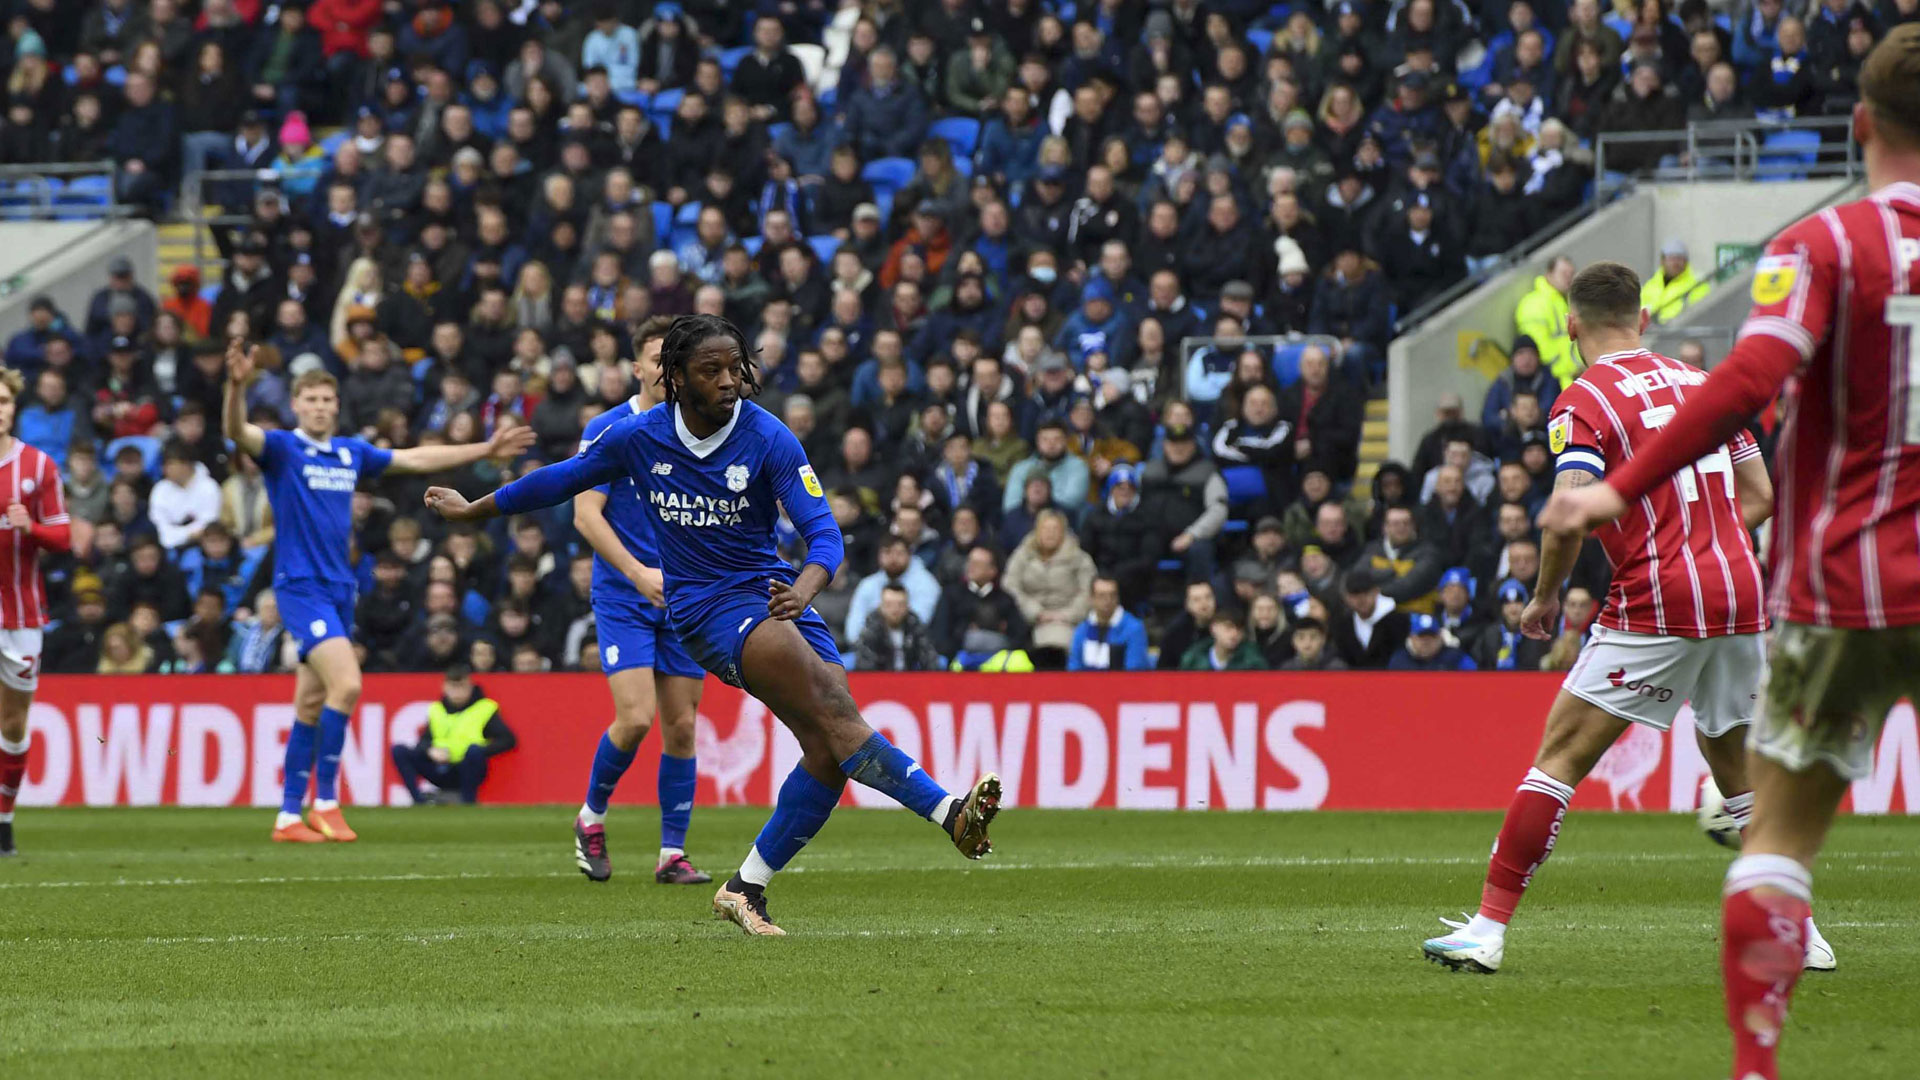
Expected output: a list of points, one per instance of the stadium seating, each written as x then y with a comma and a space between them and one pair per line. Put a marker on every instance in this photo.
962, 134
148, 446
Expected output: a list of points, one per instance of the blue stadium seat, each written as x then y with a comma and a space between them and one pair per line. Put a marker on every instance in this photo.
662, 106
24, 200
1245, 484
115, 76
1171, 566
730, 58
688, 214
331, 144
961, 132
824, 246
148, 446
774, 131
662, 222
891, 173
637, 98
1260, 40
1286, 363
210, 293
963, 166
1782, 151
752, 244
84, 198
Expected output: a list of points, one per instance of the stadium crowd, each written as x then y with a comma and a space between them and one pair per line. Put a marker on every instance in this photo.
968, 241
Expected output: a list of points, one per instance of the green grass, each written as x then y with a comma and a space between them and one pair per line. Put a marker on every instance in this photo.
462, 943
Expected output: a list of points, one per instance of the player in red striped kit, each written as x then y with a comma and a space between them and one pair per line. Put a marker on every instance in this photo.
1833, 333
36, 521
1683, 617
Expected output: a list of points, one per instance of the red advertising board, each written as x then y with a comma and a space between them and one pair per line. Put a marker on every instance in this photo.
1157, 740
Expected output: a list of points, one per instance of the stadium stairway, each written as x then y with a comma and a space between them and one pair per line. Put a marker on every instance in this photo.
177, 250
1373, 443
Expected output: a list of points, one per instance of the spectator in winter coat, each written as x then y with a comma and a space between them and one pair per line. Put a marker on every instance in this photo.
1369, 628
1309, 640
143, 143
1109, 638
894, 638
1524, 374
49, 421
1186, 496
1099, 325
1423, 260
887, 117
977, 615
1407, 567
1350, 303
1642, 104
1049, 575
1009, 148
1124, 543
1501, 646
1427, 650
1326, 415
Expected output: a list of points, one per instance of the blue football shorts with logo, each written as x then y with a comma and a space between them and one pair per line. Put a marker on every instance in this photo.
635, 634
1645, 678
314, 610
717, 629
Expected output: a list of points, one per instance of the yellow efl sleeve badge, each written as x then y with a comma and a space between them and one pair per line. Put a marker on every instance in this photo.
811, 481
1559, 430
1773, 279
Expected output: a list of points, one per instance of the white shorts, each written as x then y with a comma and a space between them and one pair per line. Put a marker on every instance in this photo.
1646, 678
20, 659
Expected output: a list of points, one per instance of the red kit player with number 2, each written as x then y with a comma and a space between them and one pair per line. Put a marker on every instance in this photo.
36, 521
1833, 334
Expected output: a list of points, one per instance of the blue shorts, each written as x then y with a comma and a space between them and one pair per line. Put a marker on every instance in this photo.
635, 634
719, 631
314, 610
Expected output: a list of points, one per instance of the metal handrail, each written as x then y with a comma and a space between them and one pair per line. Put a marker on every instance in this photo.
40, 194
1734, 150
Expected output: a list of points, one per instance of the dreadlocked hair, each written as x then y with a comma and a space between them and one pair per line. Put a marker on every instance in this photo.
686, 334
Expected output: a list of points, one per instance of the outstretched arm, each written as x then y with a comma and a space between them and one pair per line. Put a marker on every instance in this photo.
549, 485
509, 441
240, 365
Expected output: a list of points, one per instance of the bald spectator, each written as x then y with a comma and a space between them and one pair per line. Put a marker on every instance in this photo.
1326, 414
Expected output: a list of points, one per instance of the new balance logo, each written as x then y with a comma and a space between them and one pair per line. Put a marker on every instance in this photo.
683, 806
744, 623
662, 468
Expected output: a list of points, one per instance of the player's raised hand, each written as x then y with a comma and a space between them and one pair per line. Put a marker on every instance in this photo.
17, 516
510, 439
782, 602
448, 503
1577, 509
1541, 620
241, 360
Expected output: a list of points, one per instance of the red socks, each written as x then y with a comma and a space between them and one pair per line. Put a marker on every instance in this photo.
1526, 839
13, 772
1762, 949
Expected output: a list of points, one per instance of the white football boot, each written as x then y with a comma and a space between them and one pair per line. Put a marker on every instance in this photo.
1819, 953
1462, 953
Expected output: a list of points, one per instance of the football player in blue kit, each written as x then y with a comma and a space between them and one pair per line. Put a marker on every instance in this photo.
640, 654
310, 474
715, 470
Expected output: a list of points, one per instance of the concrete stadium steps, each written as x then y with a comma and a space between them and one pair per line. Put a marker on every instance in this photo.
177, 250
1373, 443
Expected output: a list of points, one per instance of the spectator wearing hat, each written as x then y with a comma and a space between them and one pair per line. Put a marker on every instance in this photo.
1254, 571
1125, 543
73, 644
1426, 649
1460, 624
978, 71
1097, 326
1501, 646
1369, 627
1407, 117
1674, 286
1422, 259
186, 303
126, 402
121, 285
1187, 497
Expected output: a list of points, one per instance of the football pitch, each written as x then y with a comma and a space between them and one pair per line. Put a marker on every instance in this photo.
462, 942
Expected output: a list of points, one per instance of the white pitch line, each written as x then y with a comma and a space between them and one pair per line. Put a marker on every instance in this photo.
1169, 862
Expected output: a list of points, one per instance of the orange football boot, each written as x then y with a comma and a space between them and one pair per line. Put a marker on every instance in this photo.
329, 824
297, 833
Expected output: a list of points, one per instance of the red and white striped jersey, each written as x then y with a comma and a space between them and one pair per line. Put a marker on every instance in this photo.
30, 478
1841, 288
1683, 564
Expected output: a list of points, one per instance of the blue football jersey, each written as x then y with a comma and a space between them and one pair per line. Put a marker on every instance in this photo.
310, 487
626, 512
714, 502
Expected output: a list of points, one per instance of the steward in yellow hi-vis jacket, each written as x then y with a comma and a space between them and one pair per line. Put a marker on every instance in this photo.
463, 733
1674, 287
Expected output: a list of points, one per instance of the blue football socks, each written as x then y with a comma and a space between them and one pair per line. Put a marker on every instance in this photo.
799, 812
333, 740
609, 765
885, 768
299, 767
677, 782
